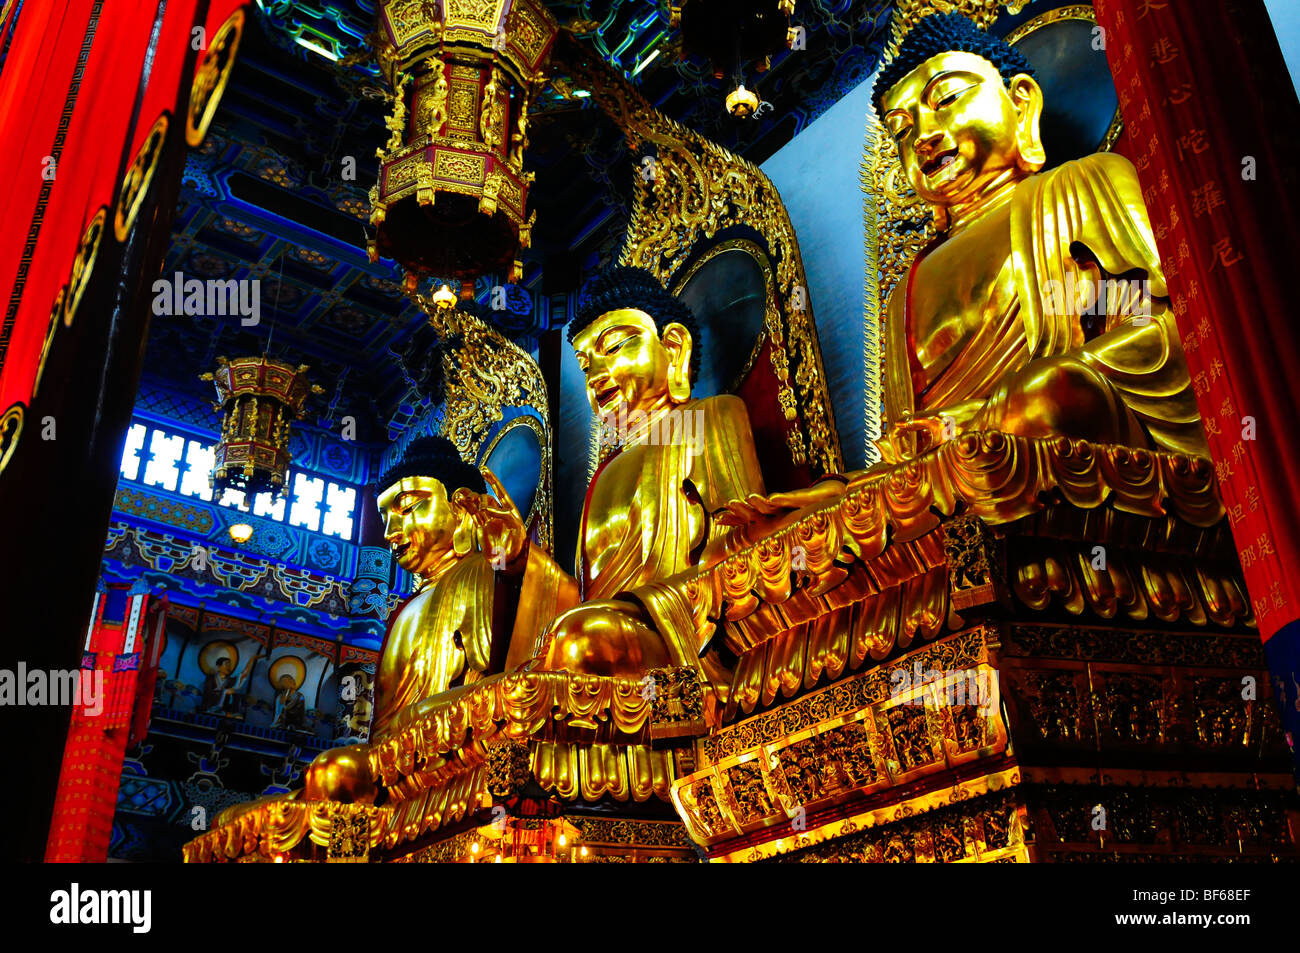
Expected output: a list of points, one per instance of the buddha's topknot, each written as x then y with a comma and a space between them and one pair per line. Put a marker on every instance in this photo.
436, 457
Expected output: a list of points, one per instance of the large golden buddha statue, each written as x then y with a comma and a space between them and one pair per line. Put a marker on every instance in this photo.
483, 597
994, 326
649, 510
443, 527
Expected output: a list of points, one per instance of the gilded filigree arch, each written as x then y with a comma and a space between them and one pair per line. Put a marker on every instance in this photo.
489, 374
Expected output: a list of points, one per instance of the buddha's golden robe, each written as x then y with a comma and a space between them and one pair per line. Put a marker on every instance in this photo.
450, 633
649, 511
1002, 271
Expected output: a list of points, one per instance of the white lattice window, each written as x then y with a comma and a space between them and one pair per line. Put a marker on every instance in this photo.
308, 494
342, 504
131, 451
164, 454
198, 459
262, 506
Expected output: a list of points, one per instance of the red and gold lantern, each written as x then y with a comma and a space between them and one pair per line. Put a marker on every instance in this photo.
452, 192
258, 398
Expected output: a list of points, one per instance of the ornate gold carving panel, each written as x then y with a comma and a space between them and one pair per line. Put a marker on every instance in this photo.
885, 728
450, 165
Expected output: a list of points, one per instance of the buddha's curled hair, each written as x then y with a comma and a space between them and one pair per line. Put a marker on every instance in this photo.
436, 457
624, 286
943, 33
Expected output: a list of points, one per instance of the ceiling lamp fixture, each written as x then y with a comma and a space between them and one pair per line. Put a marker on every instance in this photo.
241, 532
735, 35
741, 102
444, 298
258, 398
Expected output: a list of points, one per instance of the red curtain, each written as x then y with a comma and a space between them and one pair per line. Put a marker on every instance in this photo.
83, 83
1212, 116
82, 86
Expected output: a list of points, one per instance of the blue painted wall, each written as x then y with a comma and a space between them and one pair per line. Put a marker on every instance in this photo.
817, 176
1285, 15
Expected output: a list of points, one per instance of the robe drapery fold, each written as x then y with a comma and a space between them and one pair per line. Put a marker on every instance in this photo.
547, 592
676, 496
423, 657
1094, 203
669, 519
456, 637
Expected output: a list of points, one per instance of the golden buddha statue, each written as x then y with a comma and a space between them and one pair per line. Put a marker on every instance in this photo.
463, 545
442, 636
649, 510
991, 328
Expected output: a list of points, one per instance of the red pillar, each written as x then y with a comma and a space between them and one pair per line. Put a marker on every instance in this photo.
102, 718
1213, 118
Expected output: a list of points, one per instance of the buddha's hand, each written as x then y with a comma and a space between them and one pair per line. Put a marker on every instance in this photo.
913, 435
504, 534
759, 511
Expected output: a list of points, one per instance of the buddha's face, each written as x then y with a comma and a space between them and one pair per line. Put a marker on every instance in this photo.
419, 523
629, 364
959, 126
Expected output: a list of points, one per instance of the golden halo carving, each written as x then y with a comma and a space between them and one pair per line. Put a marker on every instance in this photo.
214, 650
83, 265
135, 183
1077, 11
11, 428
210, 80
290, 665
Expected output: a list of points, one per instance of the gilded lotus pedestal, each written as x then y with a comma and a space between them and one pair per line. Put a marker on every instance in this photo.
1038, 650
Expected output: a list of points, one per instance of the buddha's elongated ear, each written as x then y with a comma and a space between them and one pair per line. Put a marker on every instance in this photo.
464, 538
1027, 97
677, 342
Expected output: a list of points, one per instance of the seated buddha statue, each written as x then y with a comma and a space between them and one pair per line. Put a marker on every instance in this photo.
482, 599
649, 509
988, 329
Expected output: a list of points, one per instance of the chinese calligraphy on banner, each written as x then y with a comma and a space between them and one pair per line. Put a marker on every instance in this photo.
1212, 114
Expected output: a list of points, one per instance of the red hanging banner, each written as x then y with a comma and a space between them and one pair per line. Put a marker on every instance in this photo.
1211, 114
1219, 187
88, 101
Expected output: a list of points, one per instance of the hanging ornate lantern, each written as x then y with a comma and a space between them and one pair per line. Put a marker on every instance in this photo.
258, 398
452, 191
